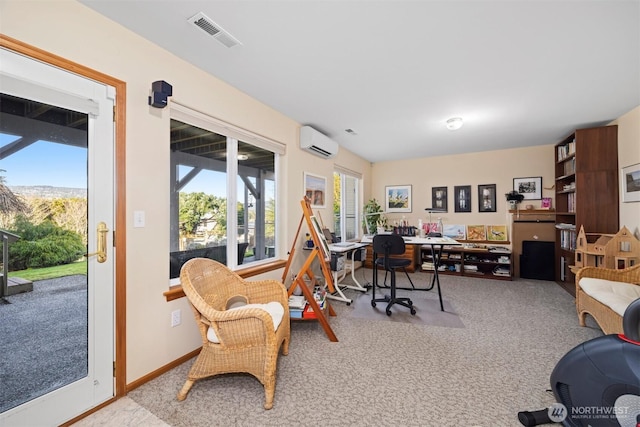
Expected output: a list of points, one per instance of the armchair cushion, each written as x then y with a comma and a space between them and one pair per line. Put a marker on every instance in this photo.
274, 308
616, 295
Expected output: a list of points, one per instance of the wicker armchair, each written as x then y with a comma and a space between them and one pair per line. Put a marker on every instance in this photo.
247, 340
609, 321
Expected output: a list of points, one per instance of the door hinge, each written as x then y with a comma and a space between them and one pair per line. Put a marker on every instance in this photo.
114, 369
114, 113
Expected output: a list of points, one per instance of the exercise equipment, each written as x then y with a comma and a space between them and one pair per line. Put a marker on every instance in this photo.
597, 383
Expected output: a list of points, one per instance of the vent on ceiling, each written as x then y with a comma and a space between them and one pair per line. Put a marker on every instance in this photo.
216, 31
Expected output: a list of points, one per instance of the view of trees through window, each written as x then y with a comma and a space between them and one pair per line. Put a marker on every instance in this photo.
212, 216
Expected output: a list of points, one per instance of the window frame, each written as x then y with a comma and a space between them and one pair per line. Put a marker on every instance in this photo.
233, 135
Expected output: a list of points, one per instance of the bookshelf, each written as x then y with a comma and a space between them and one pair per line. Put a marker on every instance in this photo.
586, 192
488, 261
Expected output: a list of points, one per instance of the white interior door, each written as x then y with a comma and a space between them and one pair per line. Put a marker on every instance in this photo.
52, 89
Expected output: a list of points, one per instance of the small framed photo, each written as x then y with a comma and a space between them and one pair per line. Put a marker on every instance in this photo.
530, 188
497, 233
630, 181
462, 195
476, 232
487, 198
455, 231
398, 198
439, 199
546, 203
315, 188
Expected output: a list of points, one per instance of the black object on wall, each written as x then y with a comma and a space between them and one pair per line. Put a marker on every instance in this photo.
537, 260
160, 91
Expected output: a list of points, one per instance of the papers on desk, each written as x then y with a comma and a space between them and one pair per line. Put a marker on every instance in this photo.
345, 244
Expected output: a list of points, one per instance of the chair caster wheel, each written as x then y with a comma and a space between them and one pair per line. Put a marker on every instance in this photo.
413, 311
387, 298
373, 303
388, 312
348, 304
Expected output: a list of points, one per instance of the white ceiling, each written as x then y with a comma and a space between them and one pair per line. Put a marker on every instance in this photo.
520, 73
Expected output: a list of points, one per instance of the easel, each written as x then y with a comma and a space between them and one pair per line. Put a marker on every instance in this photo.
318, 252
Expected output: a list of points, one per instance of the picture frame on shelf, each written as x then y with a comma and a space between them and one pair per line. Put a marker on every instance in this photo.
546, 203
487, 198
439, 198
454, 231
630, 182
398, 198
476, 232
530, 188
497, 233
462, 198
315, 188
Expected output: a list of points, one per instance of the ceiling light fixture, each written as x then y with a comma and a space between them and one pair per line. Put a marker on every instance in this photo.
454, 123
242, 157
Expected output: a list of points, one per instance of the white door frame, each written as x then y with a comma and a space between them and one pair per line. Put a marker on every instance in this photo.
119, 219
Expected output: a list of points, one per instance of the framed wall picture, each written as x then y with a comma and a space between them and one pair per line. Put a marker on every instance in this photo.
487, 198
462, 198
455, 231
476, 232
530, 188
497, 233
439, 198
630, 181
398, 198
315, 188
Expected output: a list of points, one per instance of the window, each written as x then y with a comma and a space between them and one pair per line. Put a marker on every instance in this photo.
212, 216
346, 185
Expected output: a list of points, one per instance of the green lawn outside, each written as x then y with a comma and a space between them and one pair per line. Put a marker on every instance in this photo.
33, 274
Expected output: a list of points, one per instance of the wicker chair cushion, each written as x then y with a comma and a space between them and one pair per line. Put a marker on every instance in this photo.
274, 308
615, 295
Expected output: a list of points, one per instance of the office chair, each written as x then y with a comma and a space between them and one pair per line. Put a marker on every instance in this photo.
390, 244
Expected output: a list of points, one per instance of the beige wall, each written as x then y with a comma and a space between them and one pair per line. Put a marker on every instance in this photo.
74, 32
490, 167
629, 154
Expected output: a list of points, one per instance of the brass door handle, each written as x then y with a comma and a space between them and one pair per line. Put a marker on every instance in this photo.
102, 243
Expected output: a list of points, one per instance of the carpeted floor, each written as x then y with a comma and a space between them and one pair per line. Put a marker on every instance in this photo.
426, 305
478, 370
43, 344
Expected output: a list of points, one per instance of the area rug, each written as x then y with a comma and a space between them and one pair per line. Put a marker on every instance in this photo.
427, 310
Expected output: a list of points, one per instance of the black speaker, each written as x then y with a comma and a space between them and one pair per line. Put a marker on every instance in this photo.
537, 260
160, 91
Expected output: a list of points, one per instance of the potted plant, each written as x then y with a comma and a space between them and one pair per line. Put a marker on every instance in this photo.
513, 197
372, 217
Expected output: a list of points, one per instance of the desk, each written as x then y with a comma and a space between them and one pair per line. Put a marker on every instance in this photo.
344, 249
435, 243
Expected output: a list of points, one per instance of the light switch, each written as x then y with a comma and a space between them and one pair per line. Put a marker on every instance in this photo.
138, 219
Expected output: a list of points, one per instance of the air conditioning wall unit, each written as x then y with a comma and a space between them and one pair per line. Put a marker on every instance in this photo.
317, 143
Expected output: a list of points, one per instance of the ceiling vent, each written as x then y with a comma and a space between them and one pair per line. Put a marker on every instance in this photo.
216, 31
317, 143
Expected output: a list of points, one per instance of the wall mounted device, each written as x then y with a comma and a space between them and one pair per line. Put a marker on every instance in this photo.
317, 143
160, 91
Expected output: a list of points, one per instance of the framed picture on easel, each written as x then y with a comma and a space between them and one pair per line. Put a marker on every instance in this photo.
324, 246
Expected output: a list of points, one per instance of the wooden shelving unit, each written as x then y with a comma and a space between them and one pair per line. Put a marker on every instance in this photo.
483, 262
586, 180
412, 252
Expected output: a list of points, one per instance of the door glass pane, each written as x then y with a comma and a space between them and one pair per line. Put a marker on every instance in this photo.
43, 224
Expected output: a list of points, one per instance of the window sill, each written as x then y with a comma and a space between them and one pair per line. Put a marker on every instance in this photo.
176, 292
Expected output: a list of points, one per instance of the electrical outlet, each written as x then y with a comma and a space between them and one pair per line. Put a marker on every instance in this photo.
176, 318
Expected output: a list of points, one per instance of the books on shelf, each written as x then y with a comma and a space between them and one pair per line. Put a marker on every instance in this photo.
566, 150
297, 302
295, 313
